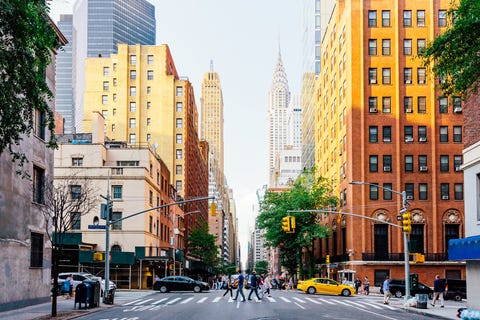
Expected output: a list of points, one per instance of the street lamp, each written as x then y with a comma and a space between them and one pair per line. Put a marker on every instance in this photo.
403, 210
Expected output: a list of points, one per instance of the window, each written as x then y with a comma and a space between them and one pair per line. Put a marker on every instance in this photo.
149, 105
422, 104
408, 104
422, 191
445, 191
149, 122
387, 133
457, 104
387, 104
39, 128
421, 76
133, 91
179, 107
75, 220
149, 137
113, 127
373, 163
420, 18
442, 18
150, 197
407, 47
421, 45
117, 192
38, 180
408, 133
178, 169
114, 99
373, 191
178, 185
407, 18
458, 191
372, 47
133, 74
117, 225
104, 99
457, 134
372, 104
373, 134
372, 18
407, 75
133, 60
105, 85
114, 82
150, 59
178, 154
132, 123
444, 163
150, 75
114, 67
75, 192
179, 91
179, 123
409, 163
133, 106
422, 163
132, 139
77, 162
125, 163
105, 114
410, 190
443, 104
178, 138
372, 75
386, 47
443, 134
387, 163
422, 134
385, 18
387, 193
386, 76
106, 71
36, 250
457, 162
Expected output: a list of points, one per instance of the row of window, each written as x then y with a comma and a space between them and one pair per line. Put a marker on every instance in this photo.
422, 162
407, 18
373, 134
408, 104
386, 47
422, 191
387, 76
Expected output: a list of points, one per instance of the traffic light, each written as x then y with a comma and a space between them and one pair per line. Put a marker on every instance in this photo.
213, 209
406, 222
419, 258
327, 259
98, 256
170, 266
292, 223
286, 224
106, 210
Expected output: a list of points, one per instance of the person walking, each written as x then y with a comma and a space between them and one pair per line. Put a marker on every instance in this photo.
253, 285
438, 290
227, 285
358, 284
367, 286
240, 282
267, 286
386, 290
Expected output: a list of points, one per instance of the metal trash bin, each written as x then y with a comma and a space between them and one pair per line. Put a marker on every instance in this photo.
93, 293
80, 296
422, 300
109, 298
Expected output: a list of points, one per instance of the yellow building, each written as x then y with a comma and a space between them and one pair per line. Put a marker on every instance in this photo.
380, 121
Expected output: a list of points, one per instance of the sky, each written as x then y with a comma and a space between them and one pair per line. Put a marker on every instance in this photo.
243, 39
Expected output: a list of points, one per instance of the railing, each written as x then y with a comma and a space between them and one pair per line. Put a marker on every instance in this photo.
375, 256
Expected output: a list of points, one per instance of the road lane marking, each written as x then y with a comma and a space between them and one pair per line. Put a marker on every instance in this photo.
299, 300
285, 299
142, 302
202, 300
187, 300
370, 305
299, 305
313, 300
173, 301
217, 299
358, 304
326, 301
132, 302
159, 301
271, 299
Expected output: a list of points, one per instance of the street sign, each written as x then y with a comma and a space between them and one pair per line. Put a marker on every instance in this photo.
94, 226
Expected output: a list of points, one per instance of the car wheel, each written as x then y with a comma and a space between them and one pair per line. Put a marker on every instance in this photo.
311, 290
398, 294
163, 289
346, 292
197, 289
457, 297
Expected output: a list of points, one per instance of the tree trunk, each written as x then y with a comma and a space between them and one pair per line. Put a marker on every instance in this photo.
55, 280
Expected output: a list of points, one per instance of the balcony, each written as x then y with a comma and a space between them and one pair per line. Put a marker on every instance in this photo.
376, 256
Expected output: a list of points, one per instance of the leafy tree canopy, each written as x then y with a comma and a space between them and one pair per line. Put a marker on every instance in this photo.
202, 244
454, 55
26, 43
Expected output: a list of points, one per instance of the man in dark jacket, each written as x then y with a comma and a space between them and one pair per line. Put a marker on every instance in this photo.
438, 290
253, 285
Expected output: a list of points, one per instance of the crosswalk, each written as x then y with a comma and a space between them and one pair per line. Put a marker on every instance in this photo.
301, 301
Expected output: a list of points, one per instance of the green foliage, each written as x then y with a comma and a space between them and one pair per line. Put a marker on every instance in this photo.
27, 40
261, 266
454, 55
200, 243
307, 193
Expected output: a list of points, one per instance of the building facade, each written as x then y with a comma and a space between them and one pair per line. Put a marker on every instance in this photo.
381, 122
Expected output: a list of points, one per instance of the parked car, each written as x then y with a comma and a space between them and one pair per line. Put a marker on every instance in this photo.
397, 288
455, 289
79, 277
325, 286
180, 283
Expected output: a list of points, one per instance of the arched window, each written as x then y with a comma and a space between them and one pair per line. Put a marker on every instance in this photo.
116, 248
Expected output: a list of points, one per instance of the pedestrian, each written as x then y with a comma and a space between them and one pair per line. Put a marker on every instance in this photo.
240, 282
358, 284
438, 290
267, 286
227, 285
386, 290
67, 286
253, 285
290, 283
367, 286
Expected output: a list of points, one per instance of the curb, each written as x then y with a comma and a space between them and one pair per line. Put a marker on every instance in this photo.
426, 313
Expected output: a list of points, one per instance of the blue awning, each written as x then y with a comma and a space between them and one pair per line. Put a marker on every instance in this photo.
464, 249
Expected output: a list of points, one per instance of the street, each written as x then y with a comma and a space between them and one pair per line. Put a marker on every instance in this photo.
282, 305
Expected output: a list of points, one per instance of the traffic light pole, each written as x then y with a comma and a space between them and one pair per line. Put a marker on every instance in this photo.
406, 257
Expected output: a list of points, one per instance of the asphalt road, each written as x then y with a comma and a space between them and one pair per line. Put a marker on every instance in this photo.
282, 305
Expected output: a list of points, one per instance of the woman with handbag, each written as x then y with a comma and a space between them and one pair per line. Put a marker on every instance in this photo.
227, 285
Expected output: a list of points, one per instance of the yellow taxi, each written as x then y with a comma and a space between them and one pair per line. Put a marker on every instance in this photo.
325, 286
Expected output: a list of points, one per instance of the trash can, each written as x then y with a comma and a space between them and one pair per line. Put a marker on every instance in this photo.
422, 300
93, 293
80, 296
110, 296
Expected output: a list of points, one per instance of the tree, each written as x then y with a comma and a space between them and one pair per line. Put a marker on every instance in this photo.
454, 55
307, 193
261, 266
27, 40
201, 244
65, 202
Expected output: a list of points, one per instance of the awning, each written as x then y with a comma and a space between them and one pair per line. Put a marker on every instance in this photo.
464, 249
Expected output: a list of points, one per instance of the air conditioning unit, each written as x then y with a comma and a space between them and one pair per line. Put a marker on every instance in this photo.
408, 81
421, 81
373, 110
408, 110
387, 168
387, 140
445, 197
408, 139
457, 109
373, 81
457, 168
340, 152
423, 168
409, 197
422, 139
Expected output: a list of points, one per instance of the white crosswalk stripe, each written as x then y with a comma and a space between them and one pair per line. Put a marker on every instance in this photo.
313, 300
202, 300
187, 300
173, 301
370, 304
132, 302
159, 301
326, 301
299, 300
217, 299
271, 299
142, 302
285, 299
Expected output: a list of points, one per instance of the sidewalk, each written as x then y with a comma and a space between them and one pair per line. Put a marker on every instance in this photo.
448, 312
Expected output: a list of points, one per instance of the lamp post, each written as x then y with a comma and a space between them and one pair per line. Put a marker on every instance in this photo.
403, 210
